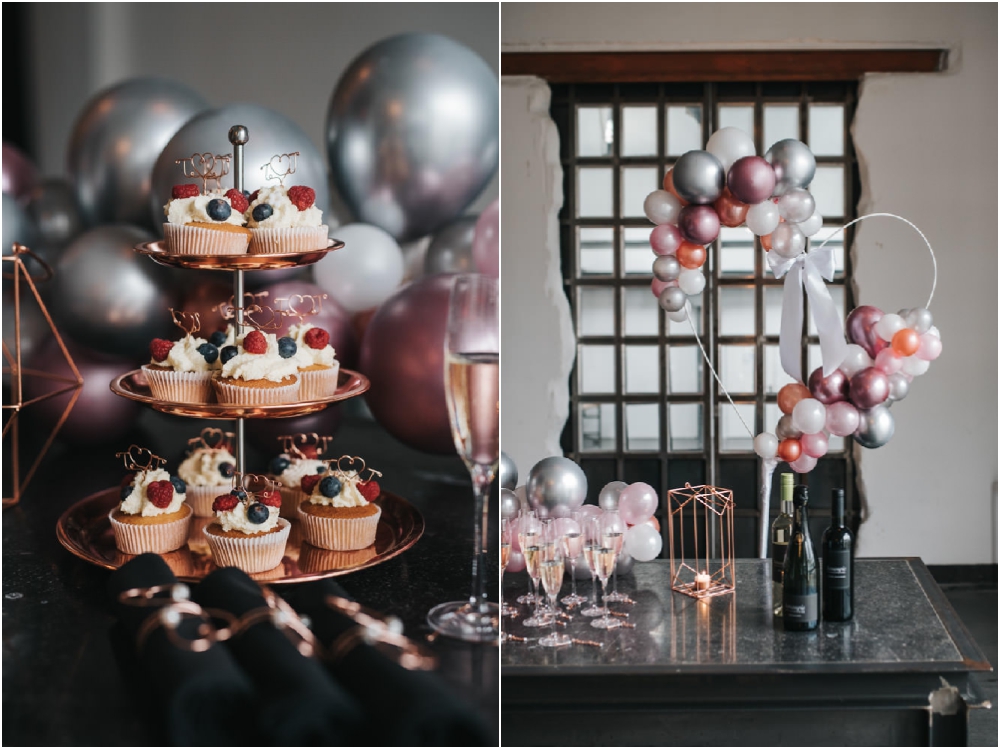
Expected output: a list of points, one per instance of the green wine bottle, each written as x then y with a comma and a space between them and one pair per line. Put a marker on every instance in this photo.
800, 587
781, 531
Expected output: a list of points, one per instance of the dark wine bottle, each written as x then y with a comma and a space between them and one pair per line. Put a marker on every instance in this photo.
781, 531
800, 588
838, 565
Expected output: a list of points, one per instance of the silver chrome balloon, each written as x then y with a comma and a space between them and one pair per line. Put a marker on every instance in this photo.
56, 214
796, 205
787, 241
899, 387
699, 177
875, 428
672, 299
117, 139
667, 268
794, 165
510, 505
270, 134
17, 226
607, 500
785, 430
108, 297
450, 251
919, 319
556, 486
413, 133
508, 472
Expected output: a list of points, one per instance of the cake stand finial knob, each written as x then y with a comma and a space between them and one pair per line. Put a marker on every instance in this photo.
238, 135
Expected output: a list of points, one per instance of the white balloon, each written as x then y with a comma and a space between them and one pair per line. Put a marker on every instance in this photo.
643, 543
796, 205
856, 360
787, 241
691, 281
889, 325
365, 272
934, 331
809, 416
729, 145
765, 445
661, 207
763, 218
915, 367
680, 315
811, 225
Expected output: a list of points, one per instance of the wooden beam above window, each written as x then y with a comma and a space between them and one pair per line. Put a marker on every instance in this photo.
668, 67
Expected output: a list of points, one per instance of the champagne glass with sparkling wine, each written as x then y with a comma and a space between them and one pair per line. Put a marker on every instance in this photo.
472, 389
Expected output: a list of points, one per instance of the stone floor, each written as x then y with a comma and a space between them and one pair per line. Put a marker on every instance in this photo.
977, 607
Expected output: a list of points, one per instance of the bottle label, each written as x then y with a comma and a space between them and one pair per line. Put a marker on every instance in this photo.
800, 608
837, 569
778, 551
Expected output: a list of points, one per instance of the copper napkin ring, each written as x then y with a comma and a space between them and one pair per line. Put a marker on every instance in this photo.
174, 607
384, 634
279, 613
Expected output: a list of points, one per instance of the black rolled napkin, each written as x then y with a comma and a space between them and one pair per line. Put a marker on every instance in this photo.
404, 708
298, 703
202, 698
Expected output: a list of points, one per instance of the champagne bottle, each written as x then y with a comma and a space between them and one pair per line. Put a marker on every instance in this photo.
838, 565
781, 531
800, 586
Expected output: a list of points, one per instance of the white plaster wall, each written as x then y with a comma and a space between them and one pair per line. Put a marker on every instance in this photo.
928, 147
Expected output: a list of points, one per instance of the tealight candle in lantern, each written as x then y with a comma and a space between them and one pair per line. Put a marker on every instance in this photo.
702, 581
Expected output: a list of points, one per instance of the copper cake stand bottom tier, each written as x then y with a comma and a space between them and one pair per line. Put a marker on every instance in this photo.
85, 530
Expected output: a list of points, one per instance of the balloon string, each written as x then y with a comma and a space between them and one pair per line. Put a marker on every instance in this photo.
915, 228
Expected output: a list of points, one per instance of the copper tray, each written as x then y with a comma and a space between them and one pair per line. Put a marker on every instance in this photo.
84, 529
158, 252
132, 385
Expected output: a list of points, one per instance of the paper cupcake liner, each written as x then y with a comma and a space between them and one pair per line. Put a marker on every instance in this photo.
250, 553
201, 497
339, 534
179, 387
291, 498
319, 383
158, 538
244, 395
197, 240
277, 241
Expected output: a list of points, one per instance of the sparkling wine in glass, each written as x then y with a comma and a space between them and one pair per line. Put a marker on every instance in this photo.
605, 557
592, 541
614, 537
505, 546
472, 391
553, 567
572, 548
527, 535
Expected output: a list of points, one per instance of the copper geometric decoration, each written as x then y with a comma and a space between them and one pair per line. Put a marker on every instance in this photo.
705, 566
12, 366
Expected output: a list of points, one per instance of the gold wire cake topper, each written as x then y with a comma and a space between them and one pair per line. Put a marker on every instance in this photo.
312, 439
189, 322
293, 301
140, 459
228, 308
212, 438
257, 316
203, 166
338, 470
254, 482
275, 169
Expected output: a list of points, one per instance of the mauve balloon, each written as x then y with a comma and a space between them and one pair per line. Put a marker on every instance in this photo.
665, 239
830, 389
751, 180
869, 388
19, 175
403, 355
698, 223
841, 419
860, 328
332, 317
201, 297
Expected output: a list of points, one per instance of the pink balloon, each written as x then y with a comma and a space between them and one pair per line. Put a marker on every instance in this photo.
831, 389
699, 224
804, 464
333, 318
589, 511
567, 525
665, 239
658, 286
869, 387
516, 561
887, 362
842, 419
751, 180
930, 347
814, 445
19, 175
637, 503
486, 241
403, 355
860, 328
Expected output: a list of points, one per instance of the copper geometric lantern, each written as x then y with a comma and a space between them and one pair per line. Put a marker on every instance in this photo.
14, 268
700, 532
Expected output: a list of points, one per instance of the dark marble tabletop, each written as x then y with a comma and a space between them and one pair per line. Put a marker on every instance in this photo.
61, 684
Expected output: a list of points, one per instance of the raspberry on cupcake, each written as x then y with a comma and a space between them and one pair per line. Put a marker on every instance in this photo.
258, 370
207, 470
297, 469
319, 368
285, 220
248, 532
205, 224
337, 515
181, 371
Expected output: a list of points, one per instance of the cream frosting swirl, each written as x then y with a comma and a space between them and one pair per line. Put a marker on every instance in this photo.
349, 495
291, 477
325, 356
182, 211
236, 519
201, 467
185, 357
266, 366
137, 501
285, 214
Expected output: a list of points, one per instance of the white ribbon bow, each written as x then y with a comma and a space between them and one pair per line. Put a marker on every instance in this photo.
808, 271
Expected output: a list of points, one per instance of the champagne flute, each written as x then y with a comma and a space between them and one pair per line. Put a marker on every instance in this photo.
572, 542
505, 544
472, 390
529, 527
533, 557
591, 544
605, 557
614, 535
553, 566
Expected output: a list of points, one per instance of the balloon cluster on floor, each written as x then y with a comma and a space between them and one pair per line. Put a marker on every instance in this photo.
400, 181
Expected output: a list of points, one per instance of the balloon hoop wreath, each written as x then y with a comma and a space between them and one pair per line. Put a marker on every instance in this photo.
863, 372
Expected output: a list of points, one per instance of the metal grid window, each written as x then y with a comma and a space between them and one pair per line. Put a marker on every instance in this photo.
644, 407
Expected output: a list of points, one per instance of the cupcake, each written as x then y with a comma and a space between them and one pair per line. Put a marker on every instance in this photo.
181, 371
247, 532
210, 224
339, 513
208, 472
289, 469
318, 366
258, 371
152, 515
285, 220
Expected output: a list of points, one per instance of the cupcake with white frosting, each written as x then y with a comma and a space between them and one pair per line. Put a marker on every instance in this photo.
181, 371
340, 513
152, 515
296, 473
209, 224
260, 370
318, 367
248, 532
208, 472
285, 220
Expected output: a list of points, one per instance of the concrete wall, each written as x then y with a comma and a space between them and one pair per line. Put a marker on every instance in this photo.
928, 149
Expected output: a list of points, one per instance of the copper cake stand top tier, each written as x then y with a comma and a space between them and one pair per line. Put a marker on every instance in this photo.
158, 252
132, 385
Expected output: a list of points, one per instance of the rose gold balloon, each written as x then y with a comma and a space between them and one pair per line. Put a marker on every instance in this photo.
869, 387
691, 255
789, 450
791, 394
765, 242
668, 185
905, 342
732, 212
665, 239
830, 389
657, 286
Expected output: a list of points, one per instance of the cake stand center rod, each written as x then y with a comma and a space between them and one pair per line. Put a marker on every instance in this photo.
238, 136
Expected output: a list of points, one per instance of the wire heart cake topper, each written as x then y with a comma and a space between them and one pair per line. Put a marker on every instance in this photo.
203, 166
299, 444
291, 305
141, 459
274, 169
254, 482
189, 322
212, 438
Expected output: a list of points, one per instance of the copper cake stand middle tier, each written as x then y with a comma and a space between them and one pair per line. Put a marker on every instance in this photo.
157, 251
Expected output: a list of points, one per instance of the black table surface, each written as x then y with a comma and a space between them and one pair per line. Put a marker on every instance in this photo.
61, 684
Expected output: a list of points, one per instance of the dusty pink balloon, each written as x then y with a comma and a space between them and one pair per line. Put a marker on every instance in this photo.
658, 286
567, 525
19, 175
665, 239
860, 328
869, 388
589, 511
815, 445
930, 348
751, 180
486, 241
515, 563
803, 464
699, 224
831, 389
887, 361
842, 419
637, 503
